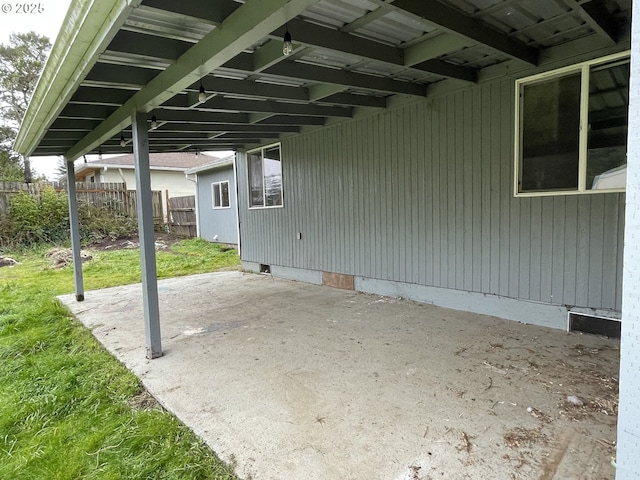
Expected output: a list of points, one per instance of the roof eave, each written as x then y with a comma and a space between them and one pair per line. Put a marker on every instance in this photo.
227, 162
88, 28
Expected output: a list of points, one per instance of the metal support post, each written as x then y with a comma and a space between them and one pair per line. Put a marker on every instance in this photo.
74, 225
146, 233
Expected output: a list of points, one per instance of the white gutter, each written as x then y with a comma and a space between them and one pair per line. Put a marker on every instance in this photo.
87, 30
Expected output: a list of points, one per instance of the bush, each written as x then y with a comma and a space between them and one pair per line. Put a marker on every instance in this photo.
23, 221
31, 221
96, 224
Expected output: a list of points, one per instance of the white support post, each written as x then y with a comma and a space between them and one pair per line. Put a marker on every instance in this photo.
147, 239
627, 458
74, 225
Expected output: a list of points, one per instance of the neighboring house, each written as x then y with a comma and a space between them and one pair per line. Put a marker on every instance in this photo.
167, 173
216, 200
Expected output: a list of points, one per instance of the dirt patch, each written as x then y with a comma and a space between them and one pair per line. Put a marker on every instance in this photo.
143, 401
62, 257
520, 436
163, 241
7, 262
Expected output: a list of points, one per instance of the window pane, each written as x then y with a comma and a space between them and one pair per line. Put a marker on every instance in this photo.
608, 107
550, 134
216, 195
255, 180
272, 177
225, 194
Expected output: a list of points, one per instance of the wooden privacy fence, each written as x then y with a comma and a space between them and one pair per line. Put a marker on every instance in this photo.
111, 195
182, 215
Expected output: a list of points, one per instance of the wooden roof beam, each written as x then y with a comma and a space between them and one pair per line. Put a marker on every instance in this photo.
251, 22
597, 17
313, 35
456, 22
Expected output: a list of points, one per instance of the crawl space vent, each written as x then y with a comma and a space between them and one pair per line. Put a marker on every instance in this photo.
264, 268
608, 327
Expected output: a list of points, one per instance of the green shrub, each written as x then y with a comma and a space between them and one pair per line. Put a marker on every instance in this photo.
54, 214
96, 223
23, 220
30, 221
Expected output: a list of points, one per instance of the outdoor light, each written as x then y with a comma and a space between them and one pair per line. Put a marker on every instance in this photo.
123, 142
154, 122
202, 96
287, 46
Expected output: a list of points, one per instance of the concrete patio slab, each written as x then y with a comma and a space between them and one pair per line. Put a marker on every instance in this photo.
287, 380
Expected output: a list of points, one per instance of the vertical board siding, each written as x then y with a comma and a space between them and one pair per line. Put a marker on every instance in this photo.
221, 222
423, 194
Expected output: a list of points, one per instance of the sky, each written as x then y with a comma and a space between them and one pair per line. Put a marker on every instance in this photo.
44, 17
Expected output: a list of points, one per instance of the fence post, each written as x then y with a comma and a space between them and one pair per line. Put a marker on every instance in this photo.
168, 209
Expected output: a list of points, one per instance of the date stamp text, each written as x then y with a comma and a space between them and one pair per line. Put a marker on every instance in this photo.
20, 8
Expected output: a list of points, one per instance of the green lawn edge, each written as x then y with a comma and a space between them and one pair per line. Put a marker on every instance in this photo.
68, 409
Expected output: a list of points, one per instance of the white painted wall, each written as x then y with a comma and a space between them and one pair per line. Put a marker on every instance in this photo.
175, 183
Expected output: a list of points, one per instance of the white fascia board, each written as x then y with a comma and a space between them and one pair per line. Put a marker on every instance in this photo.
116, 166
227, 162
87, 30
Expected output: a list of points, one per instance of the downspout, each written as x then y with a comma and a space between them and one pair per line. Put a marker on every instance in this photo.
186, 175
122, 177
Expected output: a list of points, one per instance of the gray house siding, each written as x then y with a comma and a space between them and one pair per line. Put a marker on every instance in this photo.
220, 222
423, 196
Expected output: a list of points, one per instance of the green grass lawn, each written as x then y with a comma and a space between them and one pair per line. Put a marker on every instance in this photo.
68, 410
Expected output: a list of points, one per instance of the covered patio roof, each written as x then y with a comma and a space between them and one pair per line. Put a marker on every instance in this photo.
350, 57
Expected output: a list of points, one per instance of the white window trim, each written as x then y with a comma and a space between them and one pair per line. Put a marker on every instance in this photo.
261, 149
213, 192
583, 67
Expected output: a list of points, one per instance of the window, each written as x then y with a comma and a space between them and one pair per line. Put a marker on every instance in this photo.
265, 177
220, 192
554, 153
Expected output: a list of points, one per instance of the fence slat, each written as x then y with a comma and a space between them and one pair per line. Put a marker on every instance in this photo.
111, 195
182, 215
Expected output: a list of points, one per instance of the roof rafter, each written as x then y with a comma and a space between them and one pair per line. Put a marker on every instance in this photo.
213, 12
251, 128
454, 21
273, 107
308, 72
315, 35
251, 22
596, 15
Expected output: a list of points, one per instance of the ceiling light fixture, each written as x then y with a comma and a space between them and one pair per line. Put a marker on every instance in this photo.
123, 142
202, 96
154, 122
287, 46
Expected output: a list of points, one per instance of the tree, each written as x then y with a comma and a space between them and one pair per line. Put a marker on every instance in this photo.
21, 62
11, 169
61, 170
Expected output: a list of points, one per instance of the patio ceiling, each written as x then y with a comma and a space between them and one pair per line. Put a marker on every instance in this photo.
114, 57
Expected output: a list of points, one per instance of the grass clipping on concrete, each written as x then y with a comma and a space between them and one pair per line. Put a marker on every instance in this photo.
68, 409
